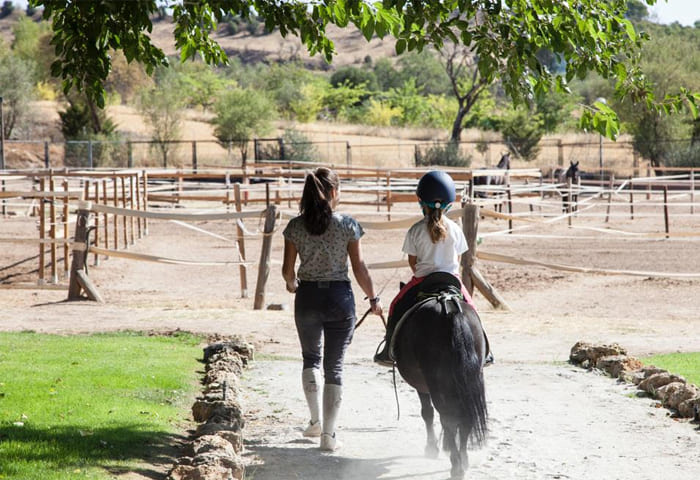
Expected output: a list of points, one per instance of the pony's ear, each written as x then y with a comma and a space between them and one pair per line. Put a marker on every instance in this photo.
575, 164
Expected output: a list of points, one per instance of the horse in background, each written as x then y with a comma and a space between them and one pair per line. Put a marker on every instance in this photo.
503, 164
571, 177
439, 348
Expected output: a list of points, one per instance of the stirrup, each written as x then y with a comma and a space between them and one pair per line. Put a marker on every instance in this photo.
489, 360
382, 356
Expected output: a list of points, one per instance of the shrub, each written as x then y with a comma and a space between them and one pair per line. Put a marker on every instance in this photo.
446, 154
683, 156
381, 114
7, 8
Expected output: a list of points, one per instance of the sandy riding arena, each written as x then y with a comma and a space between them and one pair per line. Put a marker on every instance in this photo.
548, 419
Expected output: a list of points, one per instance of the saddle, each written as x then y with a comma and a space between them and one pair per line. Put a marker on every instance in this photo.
439, 285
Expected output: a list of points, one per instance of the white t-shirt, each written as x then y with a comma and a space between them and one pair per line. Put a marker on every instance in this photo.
435, 257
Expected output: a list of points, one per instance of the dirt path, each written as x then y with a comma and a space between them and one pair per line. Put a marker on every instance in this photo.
548, 419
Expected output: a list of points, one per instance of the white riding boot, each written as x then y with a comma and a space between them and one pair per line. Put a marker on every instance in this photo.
311, 381
332, 398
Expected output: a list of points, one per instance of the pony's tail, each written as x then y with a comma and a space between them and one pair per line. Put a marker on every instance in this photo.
468, 379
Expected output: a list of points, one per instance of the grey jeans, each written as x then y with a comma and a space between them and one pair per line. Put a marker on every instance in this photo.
324, 313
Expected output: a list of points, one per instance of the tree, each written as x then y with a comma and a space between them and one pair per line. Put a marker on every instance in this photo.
163, 110
241, 115
466, 81
505, 37
16, 90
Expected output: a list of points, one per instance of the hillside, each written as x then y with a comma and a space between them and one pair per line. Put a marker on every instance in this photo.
351, 46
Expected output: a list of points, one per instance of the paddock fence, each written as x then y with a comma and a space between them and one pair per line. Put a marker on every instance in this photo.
43, 208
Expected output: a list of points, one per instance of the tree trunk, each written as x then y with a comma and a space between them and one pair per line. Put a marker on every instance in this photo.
457, 127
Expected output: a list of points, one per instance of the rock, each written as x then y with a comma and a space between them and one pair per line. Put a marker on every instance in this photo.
228, 411
616, 364
232, 464
201, 472
657, 380
583, 351
230, 433
665, 392
212, 443
244, 349
634, 376
278, 306
679, 394
690, 408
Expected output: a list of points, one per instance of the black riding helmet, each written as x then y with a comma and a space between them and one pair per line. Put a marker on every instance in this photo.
436, 189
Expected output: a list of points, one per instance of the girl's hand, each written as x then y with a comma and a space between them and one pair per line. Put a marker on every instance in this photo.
292, 286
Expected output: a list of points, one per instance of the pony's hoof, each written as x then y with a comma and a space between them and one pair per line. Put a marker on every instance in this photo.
431, 451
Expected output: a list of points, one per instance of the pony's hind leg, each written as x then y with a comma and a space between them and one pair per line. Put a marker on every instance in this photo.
456, 447
428, 413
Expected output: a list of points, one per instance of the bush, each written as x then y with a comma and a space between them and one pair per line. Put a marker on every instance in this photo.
293, 146
446, 154
354, 77
382, 114
683, 156
522, 132
6, 9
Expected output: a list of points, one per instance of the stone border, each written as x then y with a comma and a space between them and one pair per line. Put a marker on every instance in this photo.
673, 391
214, 451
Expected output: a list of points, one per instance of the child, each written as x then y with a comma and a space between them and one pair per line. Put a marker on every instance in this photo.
433, 244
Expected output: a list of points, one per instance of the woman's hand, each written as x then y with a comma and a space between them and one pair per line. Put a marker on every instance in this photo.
375, 305
292, 285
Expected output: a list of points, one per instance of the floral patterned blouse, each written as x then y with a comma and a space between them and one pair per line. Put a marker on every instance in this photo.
324, 257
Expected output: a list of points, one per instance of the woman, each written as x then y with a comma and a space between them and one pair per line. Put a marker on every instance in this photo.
324, 307
433, 244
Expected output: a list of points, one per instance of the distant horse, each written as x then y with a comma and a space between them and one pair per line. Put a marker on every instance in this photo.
570, 176
439, 349
504, 164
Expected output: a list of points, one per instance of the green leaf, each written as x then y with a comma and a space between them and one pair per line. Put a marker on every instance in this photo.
400, 46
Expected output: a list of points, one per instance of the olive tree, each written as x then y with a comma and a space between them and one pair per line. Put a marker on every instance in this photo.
241, 115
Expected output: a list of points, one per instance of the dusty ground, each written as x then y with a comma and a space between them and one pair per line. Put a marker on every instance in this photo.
548, 419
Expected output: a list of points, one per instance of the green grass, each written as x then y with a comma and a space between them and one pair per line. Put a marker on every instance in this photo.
77, 407
685, 364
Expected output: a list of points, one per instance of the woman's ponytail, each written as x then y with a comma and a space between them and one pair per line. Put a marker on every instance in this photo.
436, 228
315, 206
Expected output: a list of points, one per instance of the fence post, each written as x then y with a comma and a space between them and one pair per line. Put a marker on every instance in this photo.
130, 154
560, 153
348, 154
666, 210
91, 164
264, 267
79, 280
194, 157
52, 228
4, 202
42, 231
692, 191
47, 160
470, 225
240, 241
66, 233
611, 187
283, 153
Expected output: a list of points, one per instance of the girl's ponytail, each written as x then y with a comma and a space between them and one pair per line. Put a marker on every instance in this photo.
436, 228
315, 206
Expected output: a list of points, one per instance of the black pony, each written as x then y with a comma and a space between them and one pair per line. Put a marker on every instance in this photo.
439, 349
504, 164
569, 177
